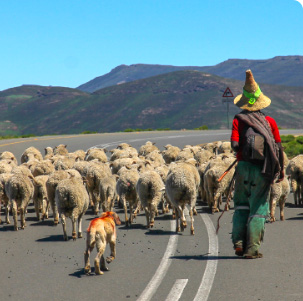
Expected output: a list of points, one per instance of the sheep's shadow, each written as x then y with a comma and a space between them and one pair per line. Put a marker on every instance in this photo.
204, 257
298, 218
52, 238
160, 232
43, 223
7, 227
132, 226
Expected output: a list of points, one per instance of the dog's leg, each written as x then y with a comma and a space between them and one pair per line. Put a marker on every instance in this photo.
103, 266
100, 249
87, 268
63, 222
112, 245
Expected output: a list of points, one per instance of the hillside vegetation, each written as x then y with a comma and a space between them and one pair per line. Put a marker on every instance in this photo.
175, 100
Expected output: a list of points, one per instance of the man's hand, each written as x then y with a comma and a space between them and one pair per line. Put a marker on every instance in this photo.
281, 177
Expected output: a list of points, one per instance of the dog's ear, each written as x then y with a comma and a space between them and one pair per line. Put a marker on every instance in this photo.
104, 214
116, 218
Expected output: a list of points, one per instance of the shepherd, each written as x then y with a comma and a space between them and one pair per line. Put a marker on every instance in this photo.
256, 139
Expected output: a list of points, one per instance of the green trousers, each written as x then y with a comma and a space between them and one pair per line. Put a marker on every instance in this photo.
251, 201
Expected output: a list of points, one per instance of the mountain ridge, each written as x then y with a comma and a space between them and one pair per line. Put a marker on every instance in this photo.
280, 70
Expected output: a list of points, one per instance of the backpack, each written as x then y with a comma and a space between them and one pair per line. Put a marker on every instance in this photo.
253, 145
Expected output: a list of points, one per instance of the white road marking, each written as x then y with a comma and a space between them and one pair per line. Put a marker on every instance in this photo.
177, 290
152, 138
211, 266
154, 283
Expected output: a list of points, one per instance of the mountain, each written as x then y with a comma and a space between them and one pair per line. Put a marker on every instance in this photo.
175, 100
280, 70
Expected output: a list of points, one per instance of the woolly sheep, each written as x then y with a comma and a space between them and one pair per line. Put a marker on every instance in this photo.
225, 148
170, 153
96, 153
108, 192
214, 189
126, 189
123, 153
51, 184
94, 175
279, 193
49, 152
40, 197
8, 156
147, 148
155, 157
72, 201
203, 156
20, 191
295, 171
4, 177
44, 167
181, 186
6, 166
185, 154
31, 153
60, 150
150, 189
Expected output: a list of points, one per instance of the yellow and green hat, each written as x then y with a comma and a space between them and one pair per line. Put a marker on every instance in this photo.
252, 98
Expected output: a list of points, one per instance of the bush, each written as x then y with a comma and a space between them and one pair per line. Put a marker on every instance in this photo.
88, 132
287, 139
202, 128
300, 139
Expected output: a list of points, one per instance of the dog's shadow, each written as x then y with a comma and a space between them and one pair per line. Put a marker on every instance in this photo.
80, 273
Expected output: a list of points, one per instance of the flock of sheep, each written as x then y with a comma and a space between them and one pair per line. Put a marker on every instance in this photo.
147, 179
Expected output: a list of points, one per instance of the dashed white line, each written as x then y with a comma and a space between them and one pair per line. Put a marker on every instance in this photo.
154, 283
211, 266
177, 290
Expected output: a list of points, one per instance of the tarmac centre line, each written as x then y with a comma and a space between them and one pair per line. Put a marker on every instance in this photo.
208, 276
156, 280
211, 266
177, 290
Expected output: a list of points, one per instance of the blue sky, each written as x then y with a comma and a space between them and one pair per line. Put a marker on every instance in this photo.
69, 42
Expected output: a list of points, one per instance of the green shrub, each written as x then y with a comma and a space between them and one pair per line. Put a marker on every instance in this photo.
300, 139
202, 128
288, 138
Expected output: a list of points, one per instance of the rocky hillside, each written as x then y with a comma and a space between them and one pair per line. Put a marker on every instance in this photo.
176, 100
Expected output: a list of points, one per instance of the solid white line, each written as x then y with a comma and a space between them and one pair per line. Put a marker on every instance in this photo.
154, 283
177, 290
211, 266
158, 138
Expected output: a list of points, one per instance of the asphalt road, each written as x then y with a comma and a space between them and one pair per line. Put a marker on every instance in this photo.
156, 264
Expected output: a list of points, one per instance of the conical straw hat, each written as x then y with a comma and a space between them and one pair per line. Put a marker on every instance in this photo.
252, 98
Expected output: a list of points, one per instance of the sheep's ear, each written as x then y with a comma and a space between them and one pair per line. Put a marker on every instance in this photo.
105, 150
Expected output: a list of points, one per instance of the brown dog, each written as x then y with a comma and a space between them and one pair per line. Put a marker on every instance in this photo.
101, 230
